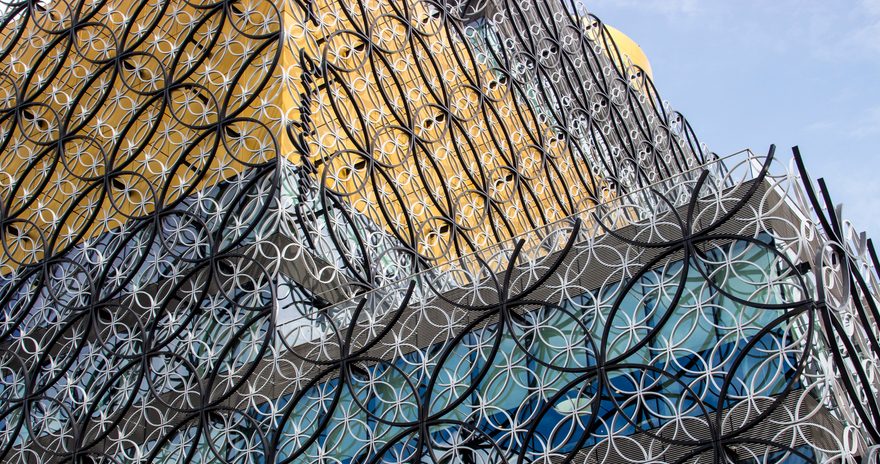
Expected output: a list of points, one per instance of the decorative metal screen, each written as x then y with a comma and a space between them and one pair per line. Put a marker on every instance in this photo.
427, 231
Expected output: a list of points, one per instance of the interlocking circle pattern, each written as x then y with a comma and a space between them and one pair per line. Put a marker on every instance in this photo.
422, 231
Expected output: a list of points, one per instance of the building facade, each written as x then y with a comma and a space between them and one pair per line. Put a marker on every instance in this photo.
423, 231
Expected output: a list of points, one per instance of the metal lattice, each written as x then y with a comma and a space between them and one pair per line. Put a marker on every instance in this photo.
349, 231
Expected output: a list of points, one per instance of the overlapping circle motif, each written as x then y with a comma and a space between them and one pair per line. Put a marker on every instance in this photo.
339, 231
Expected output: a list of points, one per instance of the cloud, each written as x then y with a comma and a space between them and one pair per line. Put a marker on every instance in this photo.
864, 123
668, 8
831, 31
872, 6
846, 33
869, 34
867, 124
820, 126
